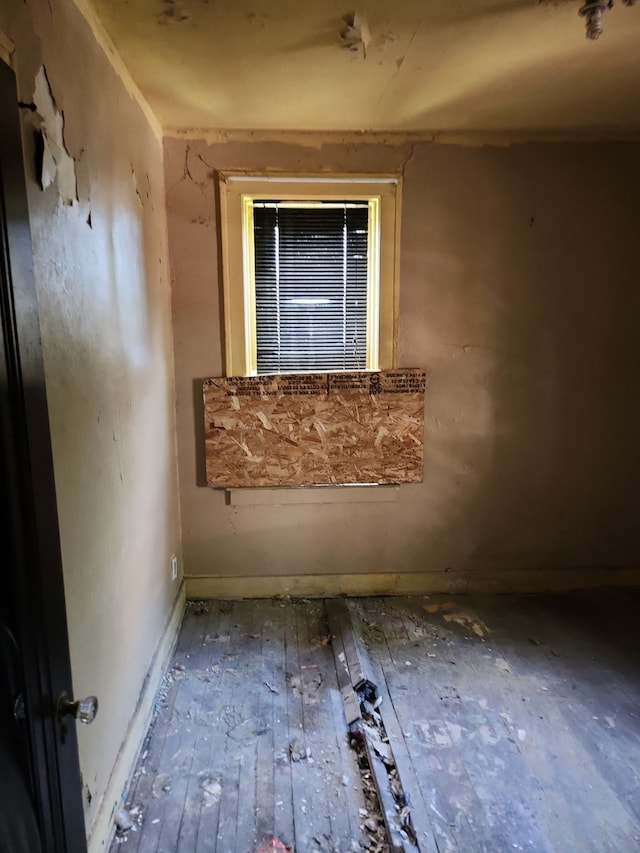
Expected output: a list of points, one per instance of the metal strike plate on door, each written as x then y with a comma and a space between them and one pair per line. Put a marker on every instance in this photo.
83, 710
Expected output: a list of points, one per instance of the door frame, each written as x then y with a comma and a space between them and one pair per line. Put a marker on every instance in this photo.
36, 571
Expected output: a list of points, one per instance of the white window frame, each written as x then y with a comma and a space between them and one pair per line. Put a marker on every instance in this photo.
238, 190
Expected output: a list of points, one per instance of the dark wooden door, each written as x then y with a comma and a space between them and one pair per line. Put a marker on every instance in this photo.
44, 796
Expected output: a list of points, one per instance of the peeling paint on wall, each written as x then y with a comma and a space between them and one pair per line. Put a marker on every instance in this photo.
57, 165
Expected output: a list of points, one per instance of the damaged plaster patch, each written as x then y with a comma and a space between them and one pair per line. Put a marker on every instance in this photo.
142, 187
57, 165
192, 166
173, 11
136, 188
356, 34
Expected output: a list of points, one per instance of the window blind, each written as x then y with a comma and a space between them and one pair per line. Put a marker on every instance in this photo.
310, 286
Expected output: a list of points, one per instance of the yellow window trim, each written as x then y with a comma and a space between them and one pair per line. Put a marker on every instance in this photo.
237, 193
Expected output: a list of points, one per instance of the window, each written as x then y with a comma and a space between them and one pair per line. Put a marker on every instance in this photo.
310, 278
309, 267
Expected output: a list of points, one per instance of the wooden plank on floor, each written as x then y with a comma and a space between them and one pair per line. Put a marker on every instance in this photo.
165, 812
347, 632
335, 763
568, 685
311, 811
238, 722
285, 631
340, 624
348, 637
207, 775
258, 708
144, 787
505, 789
348, 787
538, 784
350, 704
270, 654
448, 798
421, 820
207, 668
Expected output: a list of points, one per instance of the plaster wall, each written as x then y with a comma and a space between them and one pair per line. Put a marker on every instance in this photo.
103, 287
518, 294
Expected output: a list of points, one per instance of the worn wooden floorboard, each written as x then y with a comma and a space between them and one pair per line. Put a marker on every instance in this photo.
514, 722
423, 822
320, 726
350, 798
238, 717
191, 780
283, 822
575, 798
295, 728
509, 744
349, 792
173, 730
208, 782
578, 802
257, 676
311, 809
207, 674
270, 637
450, 801
144, 787
588, 693
475, 727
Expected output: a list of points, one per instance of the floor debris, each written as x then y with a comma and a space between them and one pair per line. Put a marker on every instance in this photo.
127, 819
389, 817
297, 752
274, 845
123, 820
458, 749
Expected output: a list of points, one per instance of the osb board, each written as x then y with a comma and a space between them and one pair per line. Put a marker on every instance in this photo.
314, 429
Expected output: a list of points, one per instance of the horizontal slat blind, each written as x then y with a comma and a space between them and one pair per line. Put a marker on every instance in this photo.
311, 286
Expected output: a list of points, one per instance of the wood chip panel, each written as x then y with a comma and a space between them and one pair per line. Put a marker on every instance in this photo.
314, 429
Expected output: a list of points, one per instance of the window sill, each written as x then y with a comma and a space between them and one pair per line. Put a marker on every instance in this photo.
311, 495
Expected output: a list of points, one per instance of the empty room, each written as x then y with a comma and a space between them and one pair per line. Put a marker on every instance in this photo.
320, 424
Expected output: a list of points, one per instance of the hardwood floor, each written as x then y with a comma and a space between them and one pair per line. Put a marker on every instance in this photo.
514, 722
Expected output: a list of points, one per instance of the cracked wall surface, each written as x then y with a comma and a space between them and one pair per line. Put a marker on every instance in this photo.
518, 296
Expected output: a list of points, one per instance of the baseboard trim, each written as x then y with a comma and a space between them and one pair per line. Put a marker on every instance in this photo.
102, 831
411, 583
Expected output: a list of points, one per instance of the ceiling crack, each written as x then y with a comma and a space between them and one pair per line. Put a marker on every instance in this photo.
400, 62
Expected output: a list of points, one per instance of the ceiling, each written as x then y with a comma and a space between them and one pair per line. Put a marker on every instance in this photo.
517, 67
